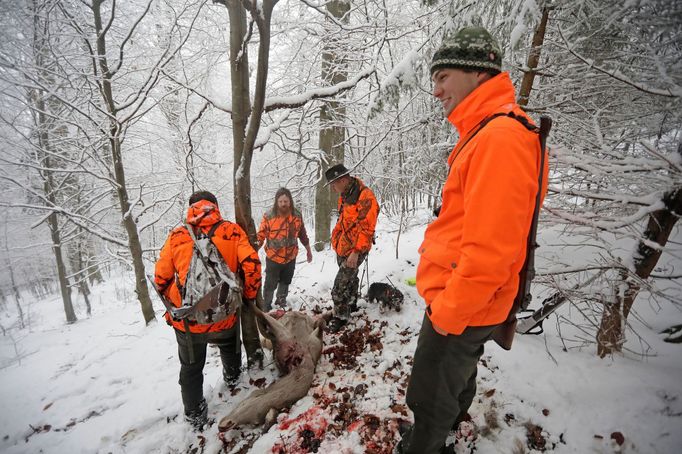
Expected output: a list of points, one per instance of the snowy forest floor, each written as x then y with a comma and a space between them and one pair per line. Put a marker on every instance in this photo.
108, 383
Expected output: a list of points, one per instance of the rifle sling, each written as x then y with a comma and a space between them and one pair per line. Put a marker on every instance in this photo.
528, 268
503, 335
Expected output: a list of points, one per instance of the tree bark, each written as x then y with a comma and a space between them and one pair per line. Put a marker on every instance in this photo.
45, 128
94, 269
119, 174
533, 59
80, 274
611, 334
246, 121
241, 110
52, 220
15, 289
332, 135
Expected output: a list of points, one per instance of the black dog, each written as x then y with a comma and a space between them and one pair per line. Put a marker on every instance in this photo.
387, 295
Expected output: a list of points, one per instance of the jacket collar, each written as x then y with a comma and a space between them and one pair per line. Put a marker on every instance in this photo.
494, 95
352, 192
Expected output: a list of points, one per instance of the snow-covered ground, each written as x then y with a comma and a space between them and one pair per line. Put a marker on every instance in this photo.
108, 383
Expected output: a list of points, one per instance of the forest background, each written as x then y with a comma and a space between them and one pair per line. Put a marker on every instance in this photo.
112, 113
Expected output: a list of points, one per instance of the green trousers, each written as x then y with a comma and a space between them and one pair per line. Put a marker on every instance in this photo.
442, 384
192, 373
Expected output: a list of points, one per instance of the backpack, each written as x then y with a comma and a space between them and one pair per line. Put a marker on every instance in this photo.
212, 292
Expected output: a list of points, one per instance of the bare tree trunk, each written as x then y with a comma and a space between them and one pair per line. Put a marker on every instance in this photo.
20, 311
332, 135
400, 230
52, 220
94, 270
611, 335
15, 290
121, 190
533, 59
241, 109
246, 121
78, 265
80, 274
45, 128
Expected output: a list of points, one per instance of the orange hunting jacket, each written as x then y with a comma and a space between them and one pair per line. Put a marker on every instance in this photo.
358, 212
176, 254
282, 234
468, 272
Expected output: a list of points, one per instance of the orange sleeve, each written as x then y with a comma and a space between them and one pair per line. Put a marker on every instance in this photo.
368, 212
499, 190
263, 231
302, 233
249, 264
164, 271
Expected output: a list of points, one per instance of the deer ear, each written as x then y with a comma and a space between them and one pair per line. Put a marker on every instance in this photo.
320, 323
326, 316
265, 330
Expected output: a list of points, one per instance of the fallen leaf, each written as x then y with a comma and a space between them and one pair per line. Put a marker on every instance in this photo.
618, 437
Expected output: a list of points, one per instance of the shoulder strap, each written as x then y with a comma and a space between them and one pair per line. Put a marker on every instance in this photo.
524, 121
209, 234
545, 126
528, 270
503, 335
235, 284
213, 228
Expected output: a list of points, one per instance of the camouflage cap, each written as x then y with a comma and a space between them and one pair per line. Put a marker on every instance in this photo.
470, 48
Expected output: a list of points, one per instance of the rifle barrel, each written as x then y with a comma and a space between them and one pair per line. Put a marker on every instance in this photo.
549, 306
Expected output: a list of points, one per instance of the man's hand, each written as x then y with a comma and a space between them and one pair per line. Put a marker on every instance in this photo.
352, 260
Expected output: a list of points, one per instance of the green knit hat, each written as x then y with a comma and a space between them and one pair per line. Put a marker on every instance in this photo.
471, 48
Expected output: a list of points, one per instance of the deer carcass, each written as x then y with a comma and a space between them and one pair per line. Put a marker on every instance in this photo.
297, 345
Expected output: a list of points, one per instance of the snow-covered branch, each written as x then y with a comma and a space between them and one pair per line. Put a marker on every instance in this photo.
294, 101
674, 92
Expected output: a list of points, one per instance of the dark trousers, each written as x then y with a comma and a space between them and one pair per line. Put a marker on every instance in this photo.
277, 276
442, 384
192, 375
345, 289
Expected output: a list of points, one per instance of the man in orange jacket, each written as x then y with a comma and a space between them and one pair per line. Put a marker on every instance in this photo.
170, 277
468, 273
352, 238
280, 230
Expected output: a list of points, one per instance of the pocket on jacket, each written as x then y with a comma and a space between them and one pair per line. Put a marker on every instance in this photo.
438, 254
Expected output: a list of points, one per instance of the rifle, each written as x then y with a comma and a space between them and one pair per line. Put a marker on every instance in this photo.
177, 313
532, 324
503, 335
